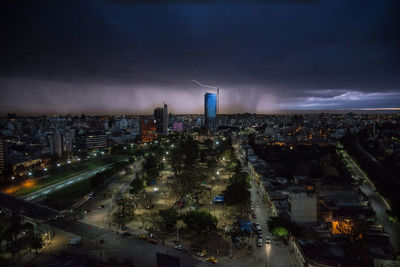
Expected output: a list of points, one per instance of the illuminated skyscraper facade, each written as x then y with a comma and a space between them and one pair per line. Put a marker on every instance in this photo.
210, 111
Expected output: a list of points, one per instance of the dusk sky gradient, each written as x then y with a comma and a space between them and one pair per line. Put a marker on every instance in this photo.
127, 57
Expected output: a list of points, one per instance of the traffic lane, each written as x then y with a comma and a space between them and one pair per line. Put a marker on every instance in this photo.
276, 254
139, 250
29, 209
378, 205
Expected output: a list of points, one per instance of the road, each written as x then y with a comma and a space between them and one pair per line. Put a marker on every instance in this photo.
275, 254
378, 204
55, 187
118, 187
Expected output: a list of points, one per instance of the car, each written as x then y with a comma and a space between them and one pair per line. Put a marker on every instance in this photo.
143, 237
259, 242
211, 260
152, 241
268, 240
180, 247
126, 234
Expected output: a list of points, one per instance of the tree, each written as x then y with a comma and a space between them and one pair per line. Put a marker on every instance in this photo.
125, 212
145, 219
137, 186
200, 223
189, 184
169, 216
36, 242
156, 223
184, 155
151, 168
281, 227
238, 189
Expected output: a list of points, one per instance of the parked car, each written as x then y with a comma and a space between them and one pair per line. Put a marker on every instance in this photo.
152, 241
211, 260
259, 242
181, 248
75, 241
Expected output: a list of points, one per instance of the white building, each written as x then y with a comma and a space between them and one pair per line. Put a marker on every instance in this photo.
302, 206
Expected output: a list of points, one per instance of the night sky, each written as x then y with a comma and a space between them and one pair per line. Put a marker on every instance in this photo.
127, 57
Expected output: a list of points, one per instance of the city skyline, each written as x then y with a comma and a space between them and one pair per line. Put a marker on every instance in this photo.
114, 57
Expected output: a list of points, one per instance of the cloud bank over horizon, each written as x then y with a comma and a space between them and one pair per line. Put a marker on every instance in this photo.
126, 57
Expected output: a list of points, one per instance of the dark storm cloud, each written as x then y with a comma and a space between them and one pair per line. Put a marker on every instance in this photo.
263, 54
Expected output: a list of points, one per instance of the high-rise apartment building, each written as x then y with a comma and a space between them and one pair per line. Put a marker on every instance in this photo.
161, 118
2, 153
91, 141
210, 111
148, 130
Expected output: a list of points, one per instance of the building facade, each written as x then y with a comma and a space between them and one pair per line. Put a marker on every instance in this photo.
302, 206
210, 111
91, 141
2, 153
148, 130
161, 118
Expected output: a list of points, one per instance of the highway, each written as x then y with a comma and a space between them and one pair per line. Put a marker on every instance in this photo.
378, 203
55, 187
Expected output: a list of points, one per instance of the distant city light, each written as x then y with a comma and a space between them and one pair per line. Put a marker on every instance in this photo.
58, 164
79, 159
166, 153
217, 143
102, 152
217, 172
68, 161
155, 189
12, 177
45, 169
29, 173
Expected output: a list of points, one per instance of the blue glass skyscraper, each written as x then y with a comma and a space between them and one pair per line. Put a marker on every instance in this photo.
210, 111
